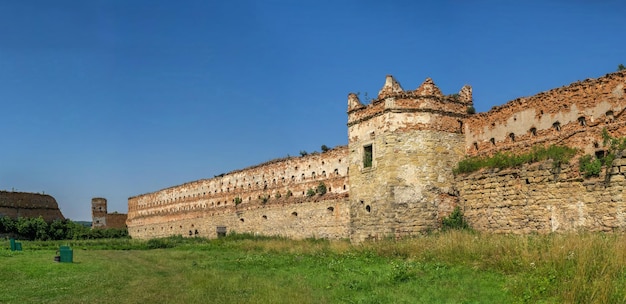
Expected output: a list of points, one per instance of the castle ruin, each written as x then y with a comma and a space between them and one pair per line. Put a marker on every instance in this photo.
100, 218
395, 179
28, 205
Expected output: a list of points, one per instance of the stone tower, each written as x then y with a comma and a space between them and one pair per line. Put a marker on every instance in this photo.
98, 212
402, 148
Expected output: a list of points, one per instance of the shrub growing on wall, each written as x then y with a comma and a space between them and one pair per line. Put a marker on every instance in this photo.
454, 221
321, 189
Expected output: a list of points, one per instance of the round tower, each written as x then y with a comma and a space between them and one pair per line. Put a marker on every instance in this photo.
402, 148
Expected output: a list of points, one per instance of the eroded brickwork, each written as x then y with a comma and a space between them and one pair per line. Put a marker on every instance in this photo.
282, 182
572, 115
27, 205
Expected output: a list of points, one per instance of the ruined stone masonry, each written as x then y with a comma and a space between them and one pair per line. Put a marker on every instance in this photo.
100, 218
394, 178
24, 204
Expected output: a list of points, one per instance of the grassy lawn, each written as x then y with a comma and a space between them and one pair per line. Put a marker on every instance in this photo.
455, 267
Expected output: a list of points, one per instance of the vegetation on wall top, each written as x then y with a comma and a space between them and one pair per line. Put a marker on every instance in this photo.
502, 160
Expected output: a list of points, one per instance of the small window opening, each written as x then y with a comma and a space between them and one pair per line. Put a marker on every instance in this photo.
331, 209
557, 126
527, 182
367, 156
600, 154
609, 115
533, 131
596, 144
492, 141
581, 121
368, 208
241, 219
264, 216
512, 136
476, 146
294, 213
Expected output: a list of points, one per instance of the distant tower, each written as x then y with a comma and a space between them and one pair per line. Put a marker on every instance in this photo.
402, 148
98, 212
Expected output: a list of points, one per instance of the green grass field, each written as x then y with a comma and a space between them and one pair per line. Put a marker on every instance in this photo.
451, 267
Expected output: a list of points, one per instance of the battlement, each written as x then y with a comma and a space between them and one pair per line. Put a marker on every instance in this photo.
425, 108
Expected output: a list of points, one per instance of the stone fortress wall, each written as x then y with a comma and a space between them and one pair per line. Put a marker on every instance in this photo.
269, 198
395, 176
541, 197
24, 204
100, 218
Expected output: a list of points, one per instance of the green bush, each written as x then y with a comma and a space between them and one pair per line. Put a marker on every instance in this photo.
38, 229
238, 200
589, 166
454, 221
310, 192
321, 189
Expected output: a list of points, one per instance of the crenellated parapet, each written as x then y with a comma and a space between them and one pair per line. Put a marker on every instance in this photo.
425, 108
402, 149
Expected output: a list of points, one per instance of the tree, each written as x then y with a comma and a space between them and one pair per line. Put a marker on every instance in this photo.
303, 153
325, 148
621, 67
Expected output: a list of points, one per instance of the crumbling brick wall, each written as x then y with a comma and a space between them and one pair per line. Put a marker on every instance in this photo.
27, 205
282, 182
572, 115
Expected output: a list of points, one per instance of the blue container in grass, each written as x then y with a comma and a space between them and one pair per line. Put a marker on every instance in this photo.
66, 254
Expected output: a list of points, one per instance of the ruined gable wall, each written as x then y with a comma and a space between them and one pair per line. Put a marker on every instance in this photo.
537, 198
23, 204
256, 187
572, 115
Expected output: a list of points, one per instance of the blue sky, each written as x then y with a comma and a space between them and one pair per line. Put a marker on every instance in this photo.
117, 98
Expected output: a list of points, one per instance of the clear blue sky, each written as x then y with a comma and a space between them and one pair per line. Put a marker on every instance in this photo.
119, 98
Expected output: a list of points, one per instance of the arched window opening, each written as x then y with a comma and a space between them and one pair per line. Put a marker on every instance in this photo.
582, 121
556, 125
512, 136
533, 131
